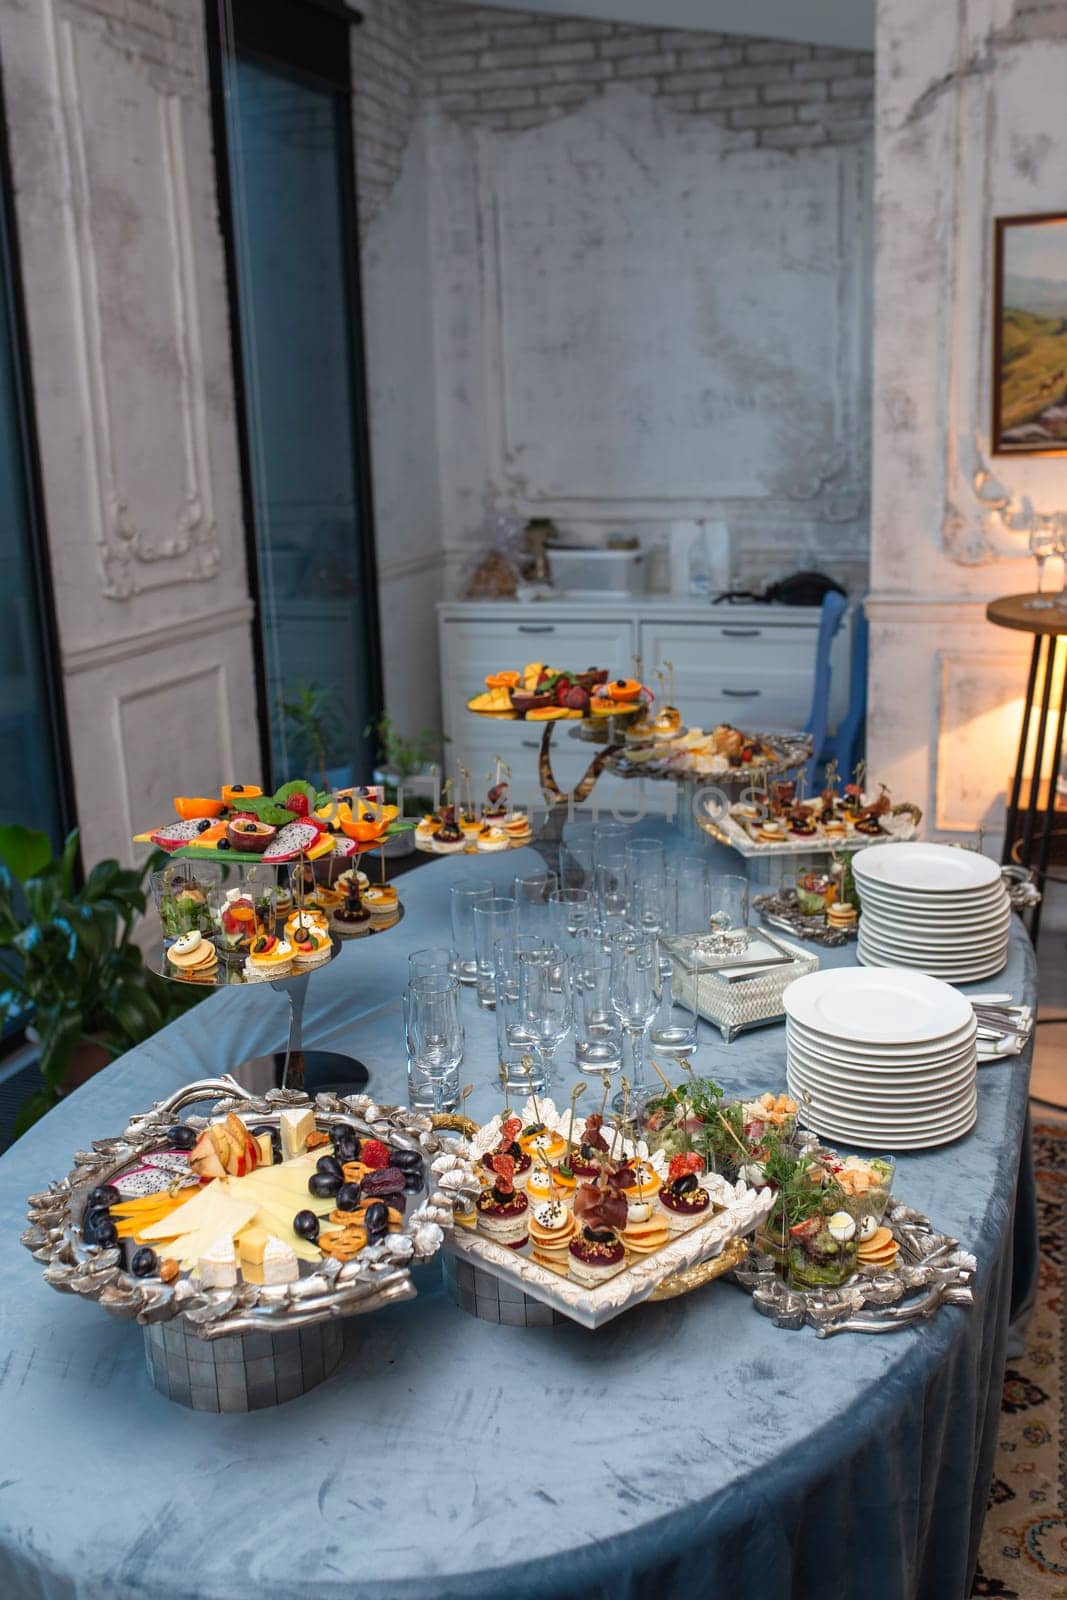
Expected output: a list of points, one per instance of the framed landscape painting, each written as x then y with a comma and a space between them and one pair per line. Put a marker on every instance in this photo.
1030, 335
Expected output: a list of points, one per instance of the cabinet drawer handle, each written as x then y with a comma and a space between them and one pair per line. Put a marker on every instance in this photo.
537, 627
741, 694
740, 633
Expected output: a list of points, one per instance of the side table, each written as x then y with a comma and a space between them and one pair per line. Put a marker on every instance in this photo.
1048, 626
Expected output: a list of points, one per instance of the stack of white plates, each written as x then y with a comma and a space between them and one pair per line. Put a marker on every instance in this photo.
884, 1059
934, 907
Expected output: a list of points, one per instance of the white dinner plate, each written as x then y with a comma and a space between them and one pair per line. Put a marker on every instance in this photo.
877, 1128
931, 960
880, 1006
849, 1075
934, 912
954, 974
889, 944
873, 1118
827, 1128
930, 868
863, 1093
973, 944
899, 1057
884, 1062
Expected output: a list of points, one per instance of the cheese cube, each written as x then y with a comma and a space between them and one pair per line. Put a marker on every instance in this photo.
252, 1242
218, 1265
295, 1124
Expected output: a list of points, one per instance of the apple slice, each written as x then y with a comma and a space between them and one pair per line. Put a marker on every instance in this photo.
243, 1143
204, 1157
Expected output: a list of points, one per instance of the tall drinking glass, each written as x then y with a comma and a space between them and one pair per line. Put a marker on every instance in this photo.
612, 887
571, 911
688, 900
635, 994
597, 1030
433, 1034
576, 858
463, 898
649, 904
728, 902
517, 1059
645, 858
609, 839
532, 891
495, 918
435, 961
673, 1029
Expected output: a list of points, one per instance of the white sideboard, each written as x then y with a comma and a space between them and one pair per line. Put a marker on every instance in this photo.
750, 665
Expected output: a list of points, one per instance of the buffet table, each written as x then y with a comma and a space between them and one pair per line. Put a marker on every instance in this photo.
688, 1448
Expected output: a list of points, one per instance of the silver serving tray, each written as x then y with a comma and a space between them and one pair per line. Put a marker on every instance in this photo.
379, 1275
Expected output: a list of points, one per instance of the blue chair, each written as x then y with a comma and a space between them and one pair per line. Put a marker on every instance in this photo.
834, 606
845, 746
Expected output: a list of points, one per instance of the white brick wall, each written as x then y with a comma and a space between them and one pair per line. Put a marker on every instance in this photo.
511, 69
385, 75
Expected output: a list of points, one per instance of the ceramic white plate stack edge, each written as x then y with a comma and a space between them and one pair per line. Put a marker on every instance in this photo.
883, 1058
934, 908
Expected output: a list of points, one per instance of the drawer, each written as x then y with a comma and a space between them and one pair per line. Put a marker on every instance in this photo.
697, 647
471, 649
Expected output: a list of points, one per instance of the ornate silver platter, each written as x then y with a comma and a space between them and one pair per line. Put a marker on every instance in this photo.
379, 1274
782, 910
932, 1271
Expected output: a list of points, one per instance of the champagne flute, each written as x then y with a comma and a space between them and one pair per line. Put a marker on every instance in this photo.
1042, 545
545, 1004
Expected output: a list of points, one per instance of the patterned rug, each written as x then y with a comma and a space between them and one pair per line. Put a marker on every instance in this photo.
1024, 1542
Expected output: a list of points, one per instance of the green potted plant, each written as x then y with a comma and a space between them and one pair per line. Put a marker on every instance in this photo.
402, 759
314, 714
69, 965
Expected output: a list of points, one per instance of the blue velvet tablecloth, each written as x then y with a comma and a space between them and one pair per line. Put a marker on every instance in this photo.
689, 1448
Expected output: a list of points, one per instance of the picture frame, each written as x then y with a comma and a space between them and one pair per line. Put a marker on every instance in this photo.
1029, 370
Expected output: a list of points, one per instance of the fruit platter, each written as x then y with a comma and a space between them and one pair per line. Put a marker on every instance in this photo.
580, 1216
243, 824
540, 693
775, 819
835, 1249
270, 1213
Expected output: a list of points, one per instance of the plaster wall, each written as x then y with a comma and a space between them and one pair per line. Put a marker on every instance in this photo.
968, 129
110, 137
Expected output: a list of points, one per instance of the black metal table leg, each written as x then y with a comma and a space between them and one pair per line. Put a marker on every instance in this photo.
1050, 799
1012, 818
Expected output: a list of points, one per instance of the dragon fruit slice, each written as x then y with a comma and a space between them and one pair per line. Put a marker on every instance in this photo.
168, 1160
147, 1180
175, 834
345, 847
292, 841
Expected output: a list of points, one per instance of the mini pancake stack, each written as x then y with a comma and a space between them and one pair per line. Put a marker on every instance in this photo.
193, 958
879, 1251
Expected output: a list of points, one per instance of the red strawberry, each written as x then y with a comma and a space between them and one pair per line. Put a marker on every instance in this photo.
374, 1153
576, 699
685, 1161
297, 803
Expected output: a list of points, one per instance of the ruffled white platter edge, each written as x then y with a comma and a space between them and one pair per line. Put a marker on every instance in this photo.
744, 1209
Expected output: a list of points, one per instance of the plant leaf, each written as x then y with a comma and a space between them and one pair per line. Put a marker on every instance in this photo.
25, 851
33, 1108
60, 1033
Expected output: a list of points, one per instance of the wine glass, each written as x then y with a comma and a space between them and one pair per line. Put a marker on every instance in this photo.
1042, 545
634, 994
434, 1037
1059, 534
545, 1003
